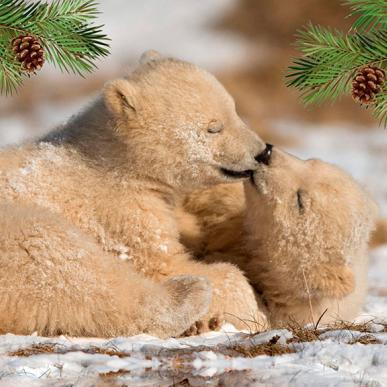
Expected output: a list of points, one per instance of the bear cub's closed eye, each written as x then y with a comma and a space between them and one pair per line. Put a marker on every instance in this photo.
215, 126
300, 203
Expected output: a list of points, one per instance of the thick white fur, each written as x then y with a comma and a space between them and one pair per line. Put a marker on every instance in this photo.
89, 239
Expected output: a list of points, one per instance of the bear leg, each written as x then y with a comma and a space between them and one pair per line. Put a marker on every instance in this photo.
54, 279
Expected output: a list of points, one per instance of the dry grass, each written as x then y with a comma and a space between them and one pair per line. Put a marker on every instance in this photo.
302, 334
35, 349
272, 348
38, 349
114, 374
106, 351
365, 340
180, 358
351, 326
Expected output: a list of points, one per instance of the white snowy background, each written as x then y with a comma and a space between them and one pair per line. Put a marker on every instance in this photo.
183, 29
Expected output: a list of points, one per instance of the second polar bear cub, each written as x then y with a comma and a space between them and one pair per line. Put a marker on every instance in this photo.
309, 224
299, 230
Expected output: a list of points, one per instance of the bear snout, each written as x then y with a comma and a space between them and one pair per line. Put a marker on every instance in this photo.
265, 156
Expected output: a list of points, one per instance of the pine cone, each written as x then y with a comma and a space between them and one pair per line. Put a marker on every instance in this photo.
368, 82
28, 52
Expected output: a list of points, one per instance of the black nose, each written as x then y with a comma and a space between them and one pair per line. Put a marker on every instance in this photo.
264, 157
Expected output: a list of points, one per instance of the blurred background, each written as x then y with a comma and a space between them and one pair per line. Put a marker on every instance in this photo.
248, 44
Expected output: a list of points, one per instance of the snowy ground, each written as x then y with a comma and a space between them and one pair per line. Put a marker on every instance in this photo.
337, 357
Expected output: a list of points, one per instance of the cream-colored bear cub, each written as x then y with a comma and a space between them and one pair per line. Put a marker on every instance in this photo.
89, 238
300, 234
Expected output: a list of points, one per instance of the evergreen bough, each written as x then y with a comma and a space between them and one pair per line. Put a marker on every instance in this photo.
65, 30
331, 59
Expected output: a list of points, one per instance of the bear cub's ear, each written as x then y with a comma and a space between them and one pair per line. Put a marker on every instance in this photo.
150, 56
120, 97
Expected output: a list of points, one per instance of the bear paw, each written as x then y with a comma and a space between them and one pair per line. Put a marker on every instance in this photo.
202, 326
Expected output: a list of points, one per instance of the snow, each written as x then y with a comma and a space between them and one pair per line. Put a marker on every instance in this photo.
328, 361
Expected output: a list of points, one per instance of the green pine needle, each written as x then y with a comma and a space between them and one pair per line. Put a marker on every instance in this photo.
380, 108
330, 58
10, 76
65, 29
370, 14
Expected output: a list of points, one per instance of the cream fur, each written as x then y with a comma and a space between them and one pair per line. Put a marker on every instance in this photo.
89, 241
301, 260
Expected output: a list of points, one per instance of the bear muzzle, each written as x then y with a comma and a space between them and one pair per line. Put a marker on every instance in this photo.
248, 173
261, 158
265, 156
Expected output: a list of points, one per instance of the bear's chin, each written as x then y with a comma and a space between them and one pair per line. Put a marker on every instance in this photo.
256, 184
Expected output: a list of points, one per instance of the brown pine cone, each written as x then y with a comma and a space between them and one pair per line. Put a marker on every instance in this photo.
368, 82
28, 52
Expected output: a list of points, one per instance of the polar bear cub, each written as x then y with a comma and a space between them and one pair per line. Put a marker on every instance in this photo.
89, 243
299, 230
308, 225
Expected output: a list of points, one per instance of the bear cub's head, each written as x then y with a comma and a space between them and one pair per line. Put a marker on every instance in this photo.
306, 211
180, 125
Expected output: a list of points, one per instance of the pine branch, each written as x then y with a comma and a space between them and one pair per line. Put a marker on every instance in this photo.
10, 76
331, 59
371, 14
65, 29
